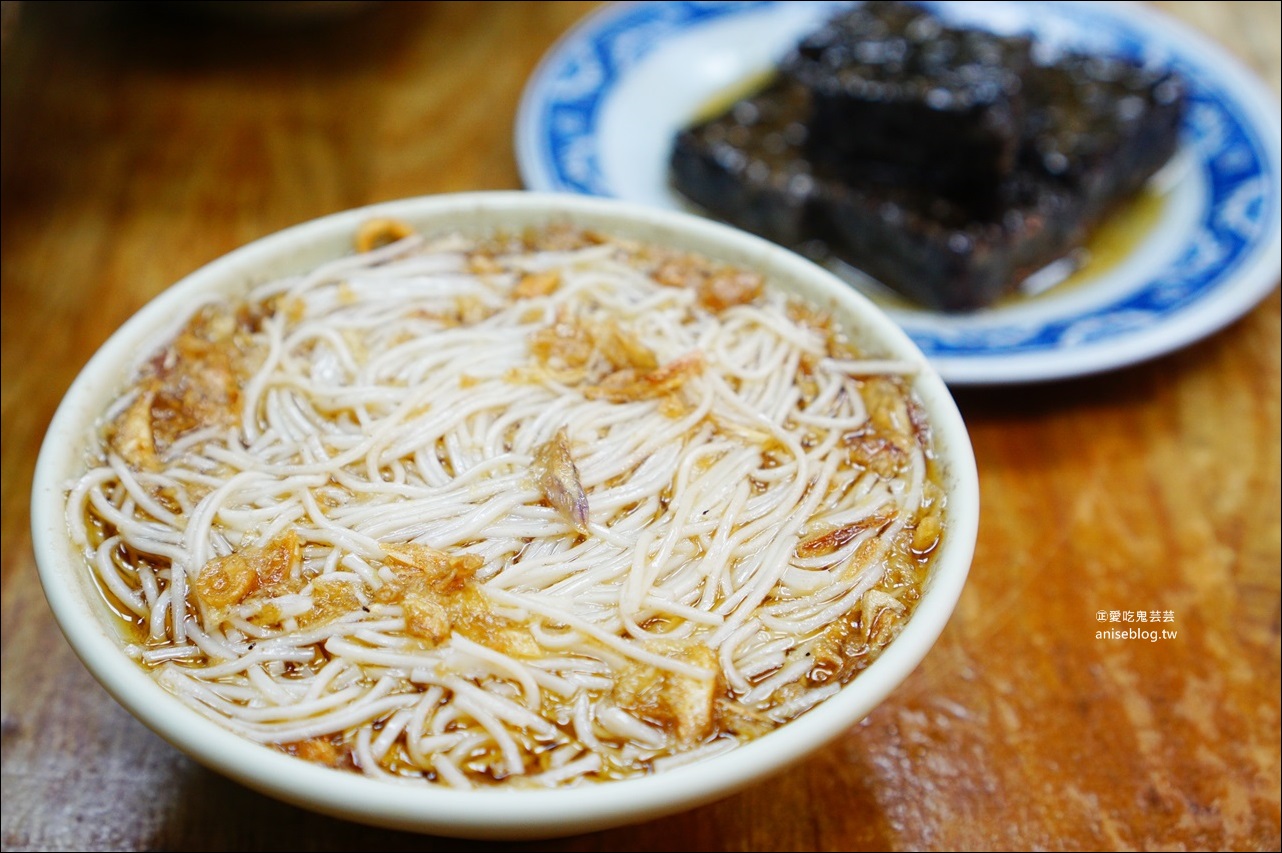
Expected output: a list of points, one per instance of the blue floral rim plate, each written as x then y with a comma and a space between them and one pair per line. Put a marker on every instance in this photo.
599, 115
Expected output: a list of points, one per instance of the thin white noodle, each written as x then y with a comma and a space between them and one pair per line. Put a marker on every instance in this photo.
398, 399
503, 665
449, 772
572, 770
613, 641
668, 762
110, 574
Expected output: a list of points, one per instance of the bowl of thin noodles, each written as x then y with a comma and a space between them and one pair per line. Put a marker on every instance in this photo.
504, 515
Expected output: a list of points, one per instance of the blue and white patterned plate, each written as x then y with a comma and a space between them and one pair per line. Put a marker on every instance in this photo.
599, 115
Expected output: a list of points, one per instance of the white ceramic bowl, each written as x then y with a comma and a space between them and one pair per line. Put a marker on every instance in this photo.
89, 626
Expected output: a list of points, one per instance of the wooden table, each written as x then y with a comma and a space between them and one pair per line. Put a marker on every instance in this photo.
140, 143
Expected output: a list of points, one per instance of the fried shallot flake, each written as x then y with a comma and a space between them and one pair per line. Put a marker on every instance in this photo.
681, 704
537, 284
926, 534
437, 569
852, 642
727, 288
622, 348
563, 348
322, 750
558, 478
439, 595
381, 232
228, 580
825, 543
331, 598
131, 436
630, 385
195, 382
875, 452
426, 617
718, 288
225, 581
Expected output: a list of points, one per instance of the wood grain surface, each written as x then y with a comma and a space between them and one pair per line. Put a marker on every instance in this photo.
141, 141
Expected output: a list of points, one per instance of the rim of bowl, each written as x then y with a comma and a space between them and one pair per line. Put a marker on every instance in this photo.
501, 813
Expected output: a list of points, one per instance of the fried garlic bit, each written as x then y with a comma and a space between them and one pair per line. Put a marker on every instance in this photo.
380, 232
559, 479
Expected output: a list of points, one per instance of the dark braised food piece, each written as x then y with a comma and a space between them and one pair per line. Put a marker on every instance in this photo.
748, 167
901, 98
1097, 130
951, 262
1094, 130
1101, 126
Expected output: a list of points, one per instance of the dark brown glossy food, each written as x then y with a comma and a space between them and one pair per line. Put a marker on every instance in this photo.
898, 97
1091, 130
1100, 126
